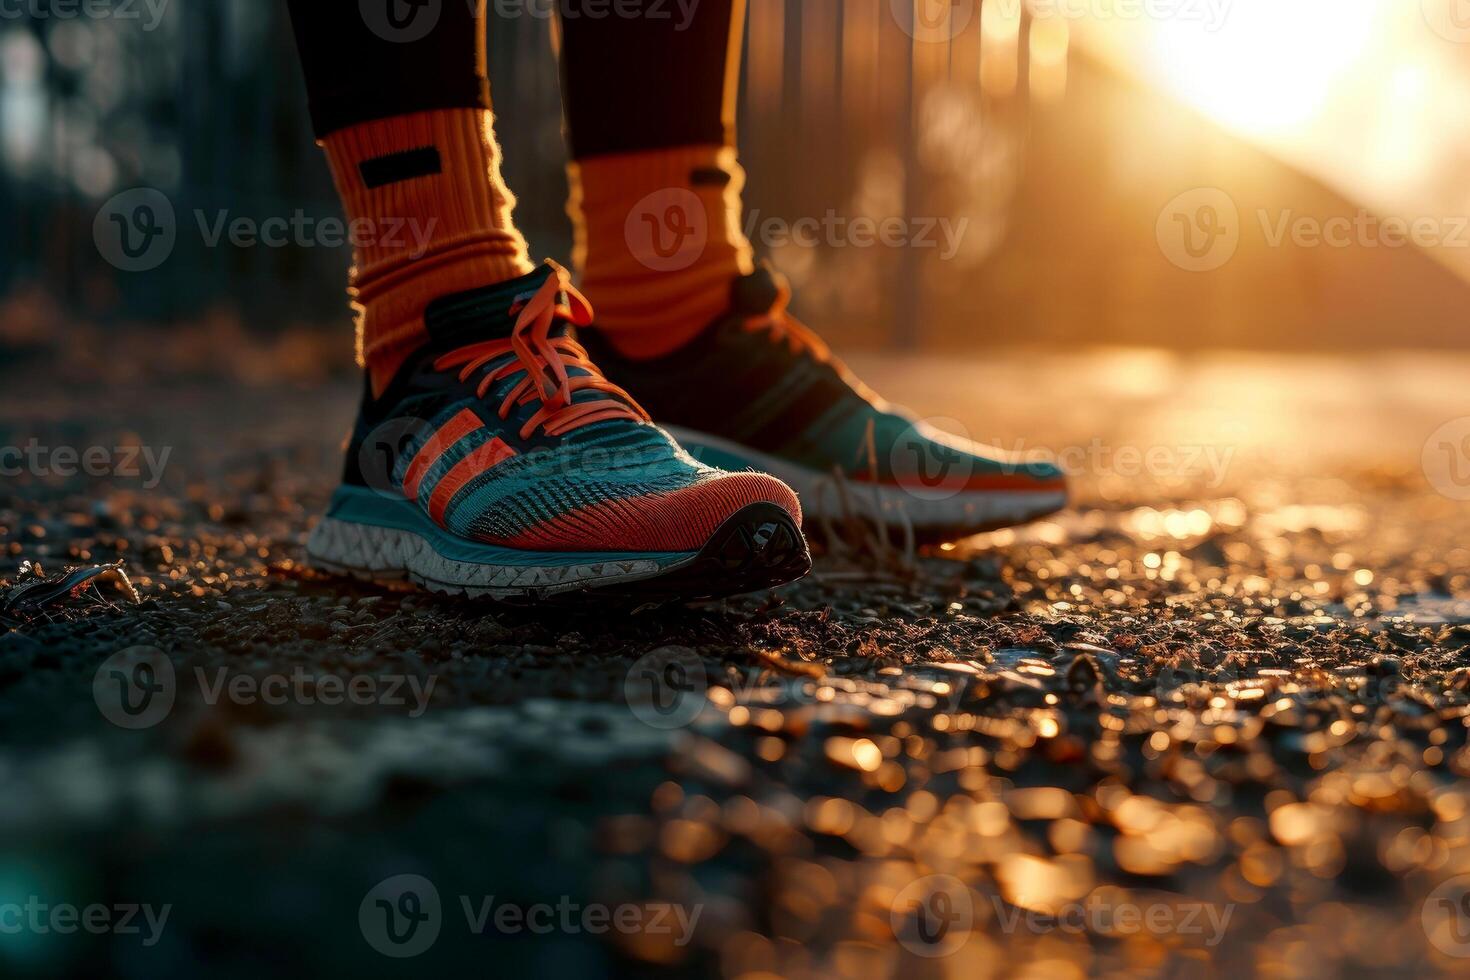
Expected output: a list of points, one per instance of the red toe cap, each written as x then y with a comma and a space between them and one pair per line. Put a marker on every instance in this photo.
683, 520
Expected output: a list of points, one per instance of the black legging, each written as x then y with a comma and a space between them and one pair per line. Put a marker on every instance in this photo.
629, 83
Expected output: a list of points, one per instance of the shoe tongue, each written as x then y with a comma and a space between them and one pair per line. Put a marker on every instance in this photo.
477, 315
756, 293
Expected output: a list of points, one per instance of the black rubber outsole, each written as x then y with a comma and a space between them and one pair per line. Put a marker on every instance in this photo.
758, 548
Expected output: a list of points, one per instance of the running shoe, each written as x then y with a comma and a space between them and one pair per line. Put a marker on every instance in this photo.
501, 462
759, 391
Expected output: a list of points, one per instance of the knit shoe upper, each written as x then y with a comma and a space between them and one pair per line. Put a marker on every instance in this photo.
760, 380
504, 431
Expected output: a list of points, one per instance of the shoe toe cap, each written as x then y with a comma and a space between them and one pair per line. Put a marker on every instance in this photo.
674, 521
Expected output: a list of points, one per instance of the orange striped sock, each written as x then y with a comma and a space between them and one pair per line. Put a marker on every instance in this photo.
659, 242
430, 215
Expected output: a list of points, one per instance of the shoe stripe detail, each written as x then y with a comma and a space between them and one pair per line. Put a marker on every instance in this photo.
436, 446
775, 395
828, 428
483, 459
797, 416
448, 461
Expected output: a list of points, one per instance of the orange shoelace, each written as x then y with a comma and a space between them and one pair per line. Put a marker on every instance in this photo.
545, 361
782, 326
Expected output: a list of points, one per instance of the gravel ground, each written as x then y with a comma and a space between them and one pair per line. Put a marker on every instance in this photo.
1209, 721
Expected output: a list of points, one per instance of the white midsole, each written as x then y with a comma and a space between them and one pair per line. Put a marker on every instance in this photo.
384, 553
942, 510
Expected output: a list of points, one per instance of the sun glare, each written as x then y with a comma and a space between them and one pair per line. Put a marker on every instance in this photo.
1367, 96
1267, 65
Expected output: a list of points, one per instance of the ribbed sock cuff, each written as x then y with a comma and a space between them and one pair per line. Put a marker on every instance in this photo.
659, 242
429, 215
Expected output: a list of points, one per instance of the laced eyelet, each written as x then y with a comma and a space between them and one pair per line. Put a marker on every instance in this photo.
544, 361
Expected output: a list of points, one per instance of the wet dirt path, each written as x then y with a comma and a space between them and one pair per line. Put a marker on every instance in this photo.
1210, 719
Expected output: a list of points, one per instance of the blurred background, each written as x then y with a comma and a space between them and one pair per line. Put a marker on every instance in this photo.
1140, 172
1170, 227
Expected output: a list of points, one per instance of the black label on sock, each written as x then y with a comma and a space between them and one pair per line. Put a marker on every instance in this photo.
406, 165
710, 177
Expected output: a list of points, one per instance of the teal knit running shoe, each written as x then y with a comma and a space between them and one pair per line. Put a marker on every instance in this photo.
500, 462
759, 391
